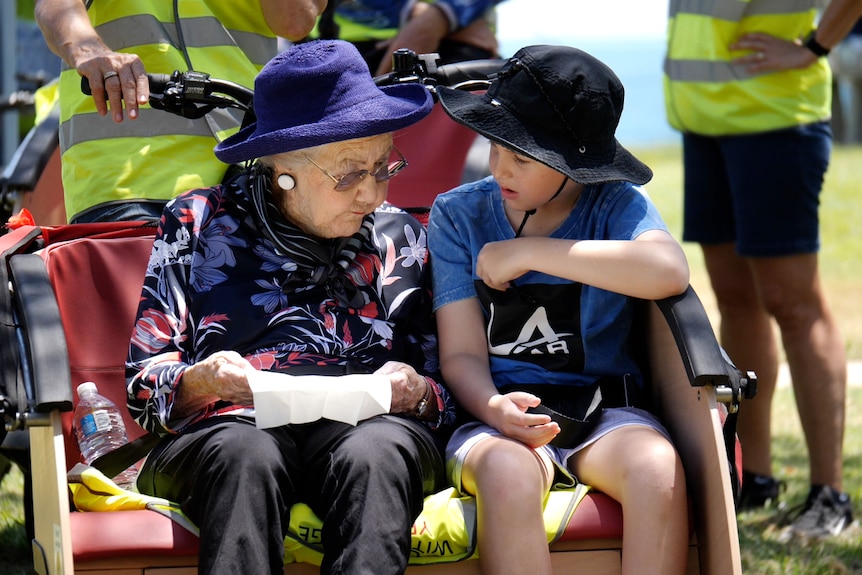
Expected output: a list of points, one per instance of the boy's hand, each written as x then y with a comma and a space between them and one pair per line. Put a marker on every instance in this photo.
498, 263
509, 417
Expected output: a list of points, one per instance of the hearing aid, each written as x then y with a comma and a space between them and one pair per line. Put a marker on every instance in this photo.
286, 182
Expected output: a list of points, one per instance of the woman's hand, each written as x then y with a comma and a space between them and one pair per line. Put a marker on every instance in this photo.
508, 415
408, 387
221, 376
770, 54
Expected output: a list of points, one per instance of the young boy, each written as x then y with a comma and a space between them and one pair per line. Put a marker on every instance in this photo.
535, 270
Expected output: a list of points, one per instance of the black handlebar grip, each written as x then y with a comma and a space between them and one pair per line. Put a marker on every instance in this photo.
452, 74
158, 82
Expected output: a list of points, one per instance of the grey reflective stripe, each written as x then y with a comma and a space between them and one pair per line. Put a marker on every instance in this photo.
205, 32
736, 10
705, 71
150, 123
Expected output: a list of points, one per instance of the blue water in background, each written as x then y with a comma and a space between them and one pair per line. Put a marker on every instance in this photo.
638, 63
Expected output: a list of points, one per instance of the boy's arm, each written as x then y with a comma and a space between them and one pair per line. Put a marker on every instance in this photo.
653, 266
464, 362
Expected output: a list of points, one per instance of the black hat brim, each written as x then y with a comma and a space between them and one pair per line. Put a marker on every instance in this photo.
492, 120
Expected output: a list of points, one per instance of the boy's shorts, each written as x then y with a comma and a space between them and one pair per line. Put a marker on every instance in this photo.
759, 191
468, 435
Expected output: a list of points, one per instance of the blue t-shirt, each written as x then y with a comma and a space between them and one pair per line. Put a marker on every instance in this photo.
546, 330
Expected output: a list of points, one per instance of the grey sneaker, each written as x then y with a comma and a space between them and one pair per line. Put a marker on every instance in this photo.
825, 513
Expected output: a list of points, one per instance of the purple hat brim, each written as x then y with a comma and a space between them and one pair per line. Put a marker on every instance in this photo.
495, 122
393, 108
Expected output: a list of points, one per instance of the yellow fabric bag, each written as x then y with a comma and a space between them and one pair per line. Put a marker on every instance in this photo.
93, 491
445, 531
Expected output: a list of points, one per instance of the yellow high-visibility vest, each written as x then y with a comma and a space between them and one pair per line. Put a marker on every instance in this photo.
158, 155
706, 94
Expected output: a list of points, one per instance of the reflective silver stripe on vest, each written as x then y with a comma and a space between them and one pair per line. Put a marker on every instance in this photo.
736, 10
204, 32
150, 123
705, 71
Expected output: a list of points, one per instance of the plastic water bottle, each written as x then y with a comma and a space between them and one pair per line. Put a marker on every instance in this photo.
99, 429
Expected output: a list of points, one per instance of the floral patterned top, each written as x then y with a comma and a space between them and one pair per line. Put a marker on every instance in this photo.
214, 282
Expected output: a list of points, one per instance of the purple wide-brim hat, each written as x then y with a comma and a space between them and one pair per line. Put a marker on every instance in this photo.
318, 93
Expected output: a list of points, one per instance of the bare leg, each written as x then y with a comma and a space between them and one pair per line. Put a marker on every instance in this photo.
510, 482
791, 291
639, 468
746, 333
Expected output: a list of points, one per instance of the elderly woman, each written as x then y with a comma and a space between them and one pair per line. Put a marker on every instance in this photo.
294, 265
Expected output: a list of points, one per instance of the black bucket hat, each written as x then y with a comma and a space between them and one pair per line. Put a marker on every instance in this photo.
557, 105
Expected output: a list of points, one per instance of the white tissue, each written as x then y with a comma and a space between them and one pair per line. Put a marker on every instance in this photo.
280, 398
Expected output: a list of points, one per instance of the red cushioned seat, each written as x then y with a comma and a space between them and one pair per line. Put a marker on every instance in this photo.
118, 534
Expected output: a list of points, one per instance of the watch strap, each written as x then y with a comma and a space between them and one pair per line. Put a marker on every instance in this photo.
816, 47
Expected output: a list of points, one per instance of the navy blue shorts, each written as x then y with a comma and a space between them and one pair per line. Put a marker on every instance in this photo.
759, 191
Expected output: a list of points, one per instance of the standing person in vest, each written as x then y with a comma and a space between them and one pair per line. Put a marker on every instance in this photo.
458, 30
748, 85
127, 170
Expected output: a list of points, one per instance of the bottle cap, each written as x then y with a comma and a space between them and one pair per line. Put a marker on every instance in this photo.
86, 387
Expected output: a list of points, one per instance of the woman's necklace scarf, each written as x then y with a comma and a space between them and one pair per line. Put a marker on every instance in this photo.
318, 262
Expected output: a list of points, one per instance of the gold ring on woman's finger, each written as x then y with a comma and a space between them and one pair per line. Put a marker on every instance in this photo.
110, 74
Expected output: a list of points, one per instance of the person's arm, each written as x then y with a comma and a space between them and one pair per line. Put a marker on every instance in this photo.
430, 22
768, 53
422, 33
413, 360
167, 387
69, 34
291, 19
837, 20
464, 363
221, 376
461, 13
652, 266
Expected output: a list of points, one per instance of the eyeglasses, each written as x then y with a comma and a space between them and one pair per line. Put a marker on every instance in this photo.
381, 174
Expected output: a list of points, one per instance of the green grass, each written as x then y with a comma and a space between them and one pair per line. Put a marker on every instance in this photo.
762, 554
14, 547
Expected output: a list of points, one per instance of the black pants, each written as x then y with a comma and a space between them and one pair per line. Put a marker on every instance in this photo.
367, 483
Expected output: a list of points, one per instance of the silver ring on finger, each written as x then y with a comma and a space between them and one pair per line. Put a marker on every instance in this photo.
110, 74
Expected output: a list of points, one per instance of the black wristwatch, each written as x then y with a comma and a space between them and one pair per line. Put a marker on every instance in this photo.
812, 44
